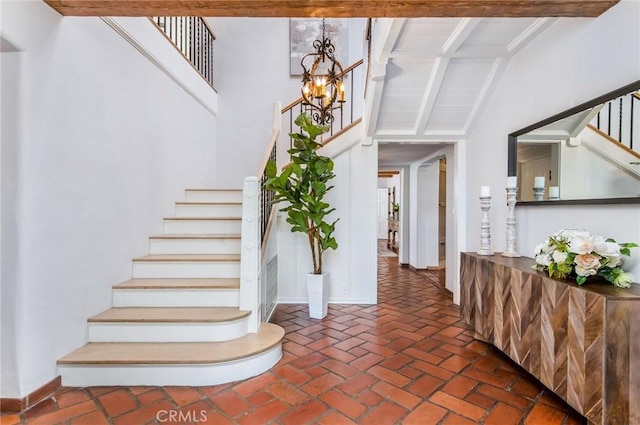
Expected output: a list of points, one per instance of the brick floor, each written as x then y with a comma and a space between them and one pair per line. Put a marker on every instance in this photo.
409, 359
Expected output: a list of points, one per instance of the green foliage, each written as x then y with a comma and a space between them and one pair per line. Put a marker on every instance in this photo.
302, 184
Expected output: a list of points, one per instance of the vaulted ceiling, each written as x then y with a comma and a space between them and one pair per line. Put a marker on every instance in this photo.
436, 74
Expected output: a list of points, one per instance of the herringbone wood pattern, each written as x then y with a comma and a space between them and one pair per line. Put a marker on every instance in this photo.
409, 359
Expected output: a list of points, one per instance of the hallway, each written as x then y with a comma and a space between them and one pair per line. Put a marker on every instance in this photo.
410, 359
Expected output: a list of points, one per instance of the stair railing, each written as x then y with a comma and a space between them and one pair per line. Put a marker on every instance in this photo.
618, 119
194, 38
343, 117
258, 287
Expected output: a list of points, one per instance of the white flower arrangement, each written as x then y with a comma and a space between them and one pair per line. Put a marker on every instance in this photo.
579, 253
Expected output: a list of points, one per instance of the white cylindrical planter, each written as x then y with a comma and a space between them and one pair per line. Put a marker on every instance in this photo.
318, 288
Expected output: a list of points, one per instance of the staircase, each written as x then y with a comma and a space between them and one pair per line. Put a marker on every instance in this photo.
177, 321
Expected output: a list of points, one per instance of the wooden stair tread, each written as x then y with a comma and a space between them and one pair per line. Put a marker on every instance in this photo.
188, 257
198, 236
202, 218
266, 338
176, 283
170, 314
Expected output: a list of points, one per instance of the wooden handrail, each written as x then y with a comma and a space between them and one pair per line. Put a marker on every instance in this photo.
613, 140
342, 74
340, 132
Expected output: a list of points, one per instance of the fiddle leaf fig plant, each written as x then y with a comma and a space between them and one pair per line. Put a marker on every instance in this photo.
303, 184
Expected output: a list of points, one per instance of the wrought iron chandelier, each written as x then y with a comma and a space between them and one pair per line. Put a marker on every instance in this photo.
322, 86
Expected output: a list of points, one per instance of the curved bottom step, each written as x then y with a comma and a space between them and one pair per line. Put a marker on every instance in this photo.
161, 364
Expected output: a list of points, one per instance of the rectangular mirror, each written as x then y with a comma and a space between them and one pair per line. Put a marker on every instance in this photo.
589, 152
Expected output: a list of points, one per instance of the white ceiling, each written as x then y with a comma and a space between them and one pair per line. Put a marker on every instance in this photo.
434, 76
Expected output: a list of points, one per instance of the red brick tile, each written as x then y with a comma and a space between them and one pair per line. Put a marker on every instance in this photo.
455, 363
304, 414
151, 397
350, 343
425, 414
254, 384
455, 404
396, 362
367, 361
356, 384
379, 349
264, 414
425, 386
287, 393
486, 364
117, 402
322, 384
304, 362
485, 377
40, 409
316, 371
68, 398
369, 398
460, 386
321, 343
418, 354
389, 376
93, 418
10, 419
505, 396
358, 352
335, 418
96, 391
433, 370
139, 390
503, 414
410, 372
344, 404
526, 388
400, 344
398, 395
386, 413
292, 374
183, 395
453, 419
230, 403
144, 414
64, 413
216, 418
340, 368
480, 400
259, 398
543, 414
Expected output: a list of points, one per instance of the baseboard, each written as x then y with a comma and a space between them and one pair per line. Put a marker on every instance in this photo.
416, 269
404, 265
34, 397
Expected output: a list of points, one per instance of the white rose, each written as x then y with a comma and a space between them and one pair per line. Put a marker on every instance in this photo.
581, 271
608, 249
559, 257
543, 259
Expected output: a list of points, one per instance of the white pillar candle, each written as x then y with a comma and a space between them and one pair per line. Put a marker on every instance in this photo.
512, 181
485, 191
538, 181
554, 192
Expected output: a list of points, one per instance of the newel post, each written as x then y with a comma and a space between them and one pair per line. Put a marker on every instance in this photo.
250, 252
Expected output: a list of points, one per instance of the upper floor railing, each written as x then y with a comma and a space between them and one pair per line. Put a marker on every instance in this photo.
194, 38
620, 119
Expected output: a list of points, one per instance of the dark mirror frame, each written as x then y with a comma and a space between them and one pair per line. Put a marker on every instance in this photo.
512, 146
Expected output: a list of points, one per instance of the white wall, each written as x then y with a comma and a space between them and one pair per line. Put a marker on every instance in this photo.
251, 72
573, 61
353, 265
424, 217
103, 144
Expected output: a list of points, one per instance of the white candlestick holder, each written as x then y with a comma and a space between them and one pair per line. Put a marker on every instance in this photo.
485, 227
511, 250
538, 193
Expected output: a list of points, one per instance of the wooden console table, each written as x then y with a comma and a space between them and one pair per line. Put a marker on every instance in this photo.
392, 235
581, 342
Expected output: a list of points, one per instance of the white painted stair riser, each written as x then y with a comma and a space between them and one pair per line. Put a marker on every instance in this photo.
167, 375
200, 227
186, 269
194, 246
208, 210
167, 332
213, 195
176, 297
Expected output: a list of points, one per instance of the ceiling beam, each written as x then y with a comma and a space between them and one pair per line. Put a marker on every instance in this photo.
334, 8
